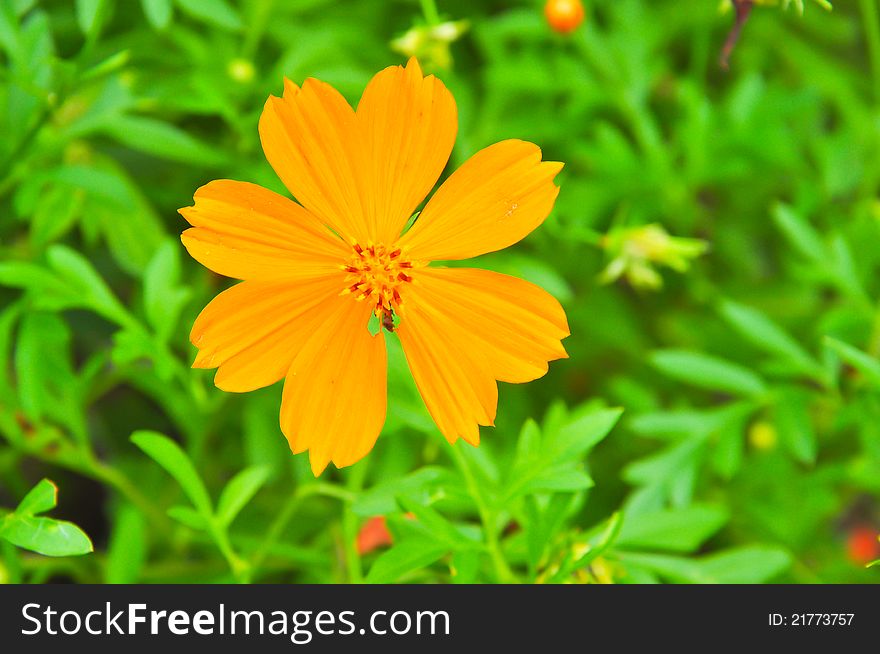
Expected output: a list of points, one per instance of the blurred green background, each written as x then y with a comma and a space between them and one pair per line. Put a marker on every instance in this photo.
715, 245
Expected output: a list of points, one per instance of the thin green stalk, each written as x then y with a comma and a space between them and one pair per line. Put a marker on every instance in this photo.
353, 485
240, 568
429, 9
122, 484
503, 572
872, 36
288, 510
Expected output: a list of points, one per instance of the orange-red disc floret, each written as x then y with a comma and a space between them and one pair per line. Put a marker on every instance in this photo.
376, 274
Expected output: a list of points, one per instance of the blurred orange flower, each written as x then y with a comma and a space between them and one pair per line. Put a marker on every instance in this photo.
373, 535
564, 16
314, 272
863, 544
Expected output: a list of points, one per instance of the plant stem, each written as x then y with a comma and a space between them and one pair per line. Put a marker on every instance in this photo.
288, 510
353, 485
291, 505
115, 479
503, 573
429, 9
239, 567
872, 36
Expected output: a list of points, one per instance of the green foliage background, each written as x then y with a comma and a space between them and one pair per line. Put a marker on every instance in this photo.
724, 427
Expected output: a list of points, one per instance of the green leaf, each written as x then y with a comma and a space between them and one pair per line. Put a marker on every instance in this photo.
45, 535
550, 460
163, 297
160, 139
41, 498
215, 12
176, 463
743, 565
598, 541
382, 499
189, 517
438, 527
465, 566
79, 274
861, 361
674, 530
9, 36
762, 332
794, 425
708, 372
746, 565
845, 272
158, 12
583, 430
40, 369
800, 234
127, 549
239, 491
88, 14
405, 557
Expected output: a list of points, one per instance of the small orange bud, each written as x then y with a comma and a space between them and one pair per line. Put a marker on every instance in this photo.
564, 16
373, 535
862, 545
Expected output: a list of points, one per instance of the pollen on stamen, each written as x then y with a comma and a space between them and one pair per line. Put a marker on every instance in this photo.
375, 272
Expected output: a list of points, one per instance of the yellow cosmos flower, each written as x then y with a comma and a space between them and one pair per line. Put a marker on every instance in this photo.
316, 270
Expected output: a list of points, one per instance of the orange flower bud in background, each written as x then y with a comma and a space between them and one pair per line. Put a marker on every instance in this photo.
862, 544
373, 535
564, 16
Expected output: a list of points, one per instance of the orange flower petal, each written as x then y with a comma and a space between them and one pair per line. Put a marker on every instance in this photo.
245, 231
253, 331
310, 138
453, 378
462, 329
492, 201
409, 124
335, 392
517, 326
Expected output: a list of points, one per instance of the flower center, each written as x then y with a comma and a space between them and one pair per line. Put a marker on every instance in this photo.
375, 274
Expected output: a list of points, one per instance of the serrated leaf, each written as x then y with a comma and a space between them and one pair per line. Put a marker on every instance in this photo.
176, 463
239, 491
711, 373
